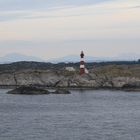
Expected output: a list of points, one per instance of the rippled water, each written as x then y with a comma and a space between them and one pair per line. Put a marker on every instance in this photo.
83, 115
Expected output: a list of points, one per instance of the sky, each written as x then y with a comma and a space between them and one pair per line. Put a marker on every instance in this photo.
56, 28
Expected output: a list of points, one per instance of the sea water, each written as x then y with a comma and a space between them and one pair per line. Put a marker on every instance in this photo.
82, 115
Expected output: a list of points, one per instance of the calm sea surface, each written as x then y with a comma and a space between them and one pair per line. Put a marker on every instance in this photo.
83, 115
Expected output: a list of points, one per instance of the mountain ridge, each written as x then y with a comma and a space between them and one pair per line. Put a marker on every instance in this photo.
15, 57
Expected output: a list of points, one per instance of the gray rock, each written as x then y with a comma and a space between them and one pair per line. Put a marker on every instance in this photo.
29, 90
62, 91
103, 77
33, 90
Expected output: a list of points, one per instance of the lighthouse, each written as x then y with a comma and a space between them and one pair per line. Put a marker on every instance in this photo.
82, 63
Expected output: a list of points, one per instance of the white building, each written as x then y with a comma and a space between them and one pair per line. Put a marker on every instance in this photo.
86, 71
70, 69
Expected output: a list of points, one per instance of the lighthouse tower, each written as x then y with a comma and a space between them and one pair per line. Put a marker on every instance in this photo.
82, 63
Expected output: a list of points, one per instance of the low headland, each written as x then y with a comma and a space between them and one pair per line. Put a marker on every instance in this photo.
105, 75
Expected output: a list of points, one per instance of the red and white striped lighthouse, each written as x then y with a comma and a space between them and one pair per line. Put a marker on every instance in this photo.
82, 63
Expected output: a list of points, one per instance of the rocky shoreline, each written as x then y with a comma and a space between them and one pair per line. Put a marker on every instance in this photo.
76, 81
134, 89
112, 77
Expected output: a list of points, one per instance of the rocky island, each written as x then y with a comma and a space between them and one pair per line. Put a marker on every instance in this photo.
34, 90
28, 90
111, 75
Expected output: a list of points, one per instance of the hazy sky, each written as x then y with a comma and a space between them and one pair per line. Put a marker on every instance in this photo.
54, 28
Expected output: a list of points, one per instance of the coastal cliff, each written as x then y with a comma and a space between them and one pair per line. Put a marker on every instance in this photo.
104, 76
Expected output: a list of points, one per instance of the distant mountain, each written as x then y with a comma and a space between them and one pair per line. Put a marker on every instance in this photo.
129, 56
76, 58
15, 57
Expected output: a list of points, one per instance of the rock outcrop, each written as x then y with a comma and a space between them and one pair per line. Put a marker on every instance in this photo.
112, 76
34, 90
61, 91
29, 90
50, 79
